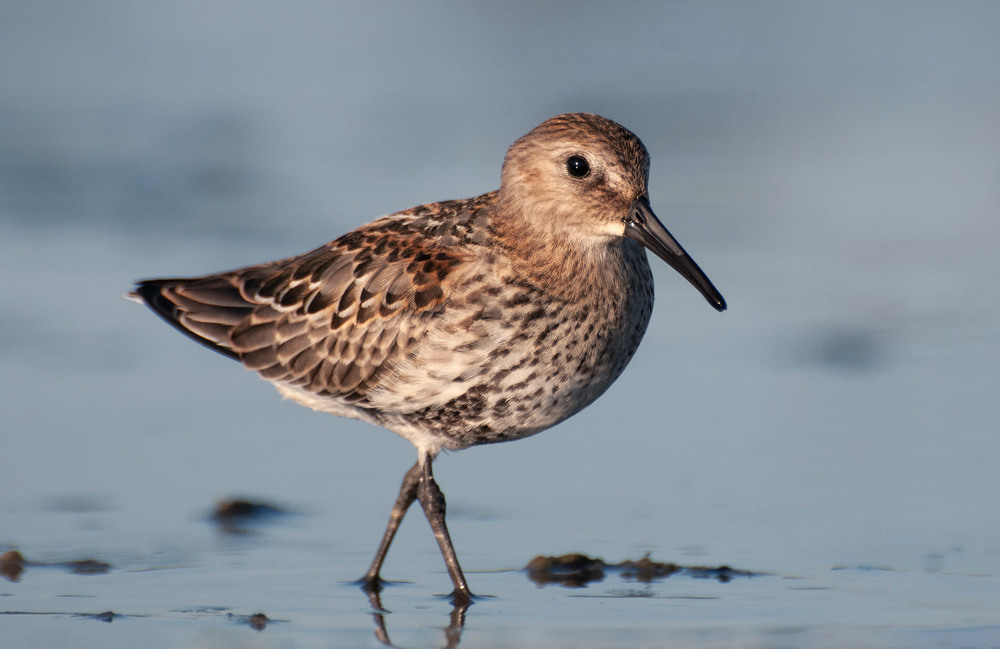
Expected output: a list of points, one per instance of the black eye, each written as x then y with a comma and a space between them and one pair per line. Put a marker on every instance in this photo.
577, 166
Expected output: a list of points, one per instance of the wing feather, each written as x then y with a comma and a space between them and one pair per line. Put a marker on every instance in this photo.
330, 322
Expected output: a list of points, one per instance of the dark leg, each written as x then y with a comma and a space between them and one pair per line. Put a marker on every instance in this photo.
432, 501
407, 494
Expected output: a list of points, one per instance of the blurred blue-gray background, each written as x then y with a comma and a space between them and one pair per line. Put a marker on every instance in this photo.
834, 168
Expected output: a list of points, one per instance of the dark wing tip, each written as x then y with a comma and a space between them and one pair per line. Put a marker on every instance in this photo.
150, 291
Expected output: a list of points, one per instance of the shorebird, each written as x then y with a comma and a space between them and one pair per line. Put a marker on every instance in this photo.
457, 323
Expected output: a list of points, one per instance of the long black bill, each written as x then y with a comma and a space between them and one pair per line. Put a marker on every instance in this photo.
643, 226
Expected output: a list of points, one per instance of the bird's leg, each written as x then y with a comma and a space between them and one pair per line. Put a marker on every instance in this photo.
407, 494
432, 500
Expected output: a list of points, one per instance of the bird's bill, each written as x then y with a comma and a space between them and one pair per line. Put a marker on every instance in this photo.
643, 226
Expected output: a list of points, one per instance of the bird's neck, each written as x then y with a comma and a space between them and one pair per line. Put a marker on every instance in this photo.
562, 264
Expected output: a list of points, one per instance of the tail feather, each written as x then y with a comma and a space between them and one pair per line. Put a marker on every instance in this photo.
205, 316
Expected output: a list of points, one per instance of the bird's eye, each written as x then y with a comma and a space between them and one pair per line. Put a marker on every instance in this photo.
577, 166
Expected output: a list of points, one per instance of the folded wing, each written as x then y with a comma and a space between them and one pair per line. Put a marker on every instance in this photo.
331, 322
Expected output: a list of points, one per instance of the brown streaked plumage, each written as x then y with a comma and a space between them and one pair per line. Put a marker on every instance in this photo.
457, 323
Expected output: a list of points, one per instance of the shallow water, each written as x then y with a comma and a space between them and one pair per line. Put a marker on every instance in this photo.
834, 170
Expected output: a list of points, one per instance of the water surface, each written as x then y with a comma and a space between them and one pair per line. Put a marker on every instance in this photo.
833, 168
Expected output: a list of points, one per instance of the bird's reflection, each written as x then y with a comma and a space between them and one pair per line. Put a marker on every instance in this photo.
452, 633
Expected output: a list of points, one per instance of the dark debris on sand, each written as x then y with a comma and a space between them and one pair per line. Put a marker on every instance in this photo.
13, 563
578, 570
257, 621
237, 515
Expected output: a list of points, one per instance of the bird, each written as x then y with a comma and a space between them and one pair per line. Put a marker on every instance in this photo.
462, 322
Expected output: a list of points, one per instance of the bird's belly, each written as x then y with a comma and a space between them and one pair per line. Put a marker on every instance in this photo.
515, 375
